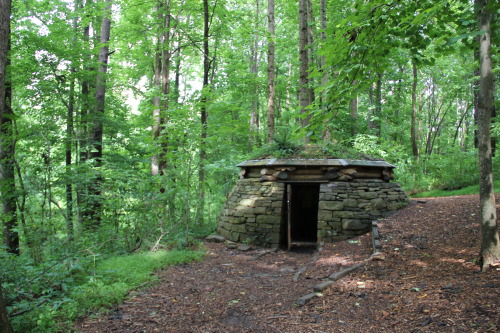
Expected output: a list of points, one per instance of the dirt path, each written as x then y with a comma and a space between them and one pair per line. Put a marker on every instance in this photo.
427, 283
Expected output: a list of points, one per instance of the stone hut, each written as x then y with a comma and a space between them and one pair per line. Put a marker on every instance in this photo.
297, 202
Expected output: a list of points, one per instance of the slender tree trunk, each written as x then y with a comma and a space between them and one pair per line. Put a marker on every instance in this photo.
310, 41
378, 106
413, 125
97, 118
69, 162
204, 113
271, 89
327, 136
490, 243
5, 326
353, 108
177, 79
254, 68
69, 141
7, 139
162, 99
476, 98
155, 161
82, 146
165, 90
304, 93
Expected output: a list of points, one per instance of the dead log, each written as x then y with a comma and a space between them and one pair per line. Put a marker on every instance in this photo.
330, 175
291, 169
282, 175
344, 178
387, 175
342, 273
322, 286
268, 179
368, 174
330, 168
253, 174
349, 171
265, 171
299, 272
305, 299
309, 171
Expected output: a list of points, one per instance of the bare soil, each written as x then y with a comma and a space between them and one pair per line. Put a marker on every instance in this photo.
427, 282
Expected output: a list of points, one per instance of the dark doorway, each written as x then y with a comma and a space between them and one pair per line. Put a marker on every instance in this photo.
302, 214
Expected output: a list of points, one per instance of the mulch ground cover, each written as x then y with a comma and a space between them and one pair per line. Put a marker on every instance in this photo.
426, 281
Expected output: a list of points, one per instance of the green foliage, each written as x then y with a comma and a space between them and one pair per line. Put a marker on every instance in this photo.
365, 42
368, 145
284, 145
474, 189
452, 171
59, 293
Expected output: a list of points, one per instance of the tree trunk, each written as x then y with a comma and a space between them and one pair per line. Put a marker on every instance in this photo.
327, 136
69, 140
7, 139
83, 143
254, 68
304, 94
69, 162
155, 160
353, 109
4, 319
413, 129
475, 89
95, 189
162, 84
310, 41
271, 89
378, 106
204, 115
490, 243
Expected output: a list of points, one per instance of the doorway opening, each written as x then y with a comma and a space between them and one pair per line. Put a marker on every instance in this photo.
302, 214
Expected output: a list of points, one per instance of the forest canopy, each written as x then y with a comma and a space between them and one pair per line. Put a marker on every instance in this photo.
124, 120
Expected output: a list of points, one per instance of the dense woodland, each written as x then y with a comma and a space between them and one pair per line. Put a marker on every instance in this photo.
123, 120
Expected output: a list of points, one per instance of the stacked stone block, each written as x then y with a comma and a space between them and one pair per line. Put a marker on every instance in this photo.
253, 213
346, 209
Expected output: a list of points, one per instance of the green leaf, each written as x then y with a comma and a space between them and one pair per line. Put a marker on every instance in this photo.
455, 39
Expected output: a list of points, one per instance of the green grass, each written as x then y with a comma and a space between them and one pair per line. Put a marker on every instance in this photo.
463, 191
108, 285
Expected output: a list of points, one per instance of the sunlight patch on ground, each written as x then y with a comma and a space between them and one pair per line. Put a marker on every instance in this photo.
335, 260
461, 262
419, 263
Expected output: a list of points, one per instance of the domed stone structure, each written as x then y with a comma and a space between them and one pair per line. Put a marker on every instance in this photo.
294, 202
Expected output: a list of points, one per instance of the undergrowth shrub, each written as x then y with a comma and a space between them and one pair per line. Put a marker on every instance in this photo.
49, 298
450, 171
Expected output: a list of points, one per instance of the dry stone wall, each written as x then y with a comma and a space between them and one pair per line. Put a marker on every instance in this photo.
346, 209
254, 210
253, 213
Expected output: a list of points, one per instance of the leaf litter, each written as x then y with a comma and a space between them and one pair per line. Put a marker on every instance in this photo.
425, 281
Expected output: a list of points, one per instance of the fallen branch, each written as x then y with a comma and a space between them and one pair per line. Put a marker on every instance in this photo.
298, 273
322, 286
305, 299
303, 269
342, 273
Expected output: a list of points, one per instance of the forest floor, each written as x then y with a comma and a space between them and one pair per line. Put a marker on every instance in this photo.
427, 282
